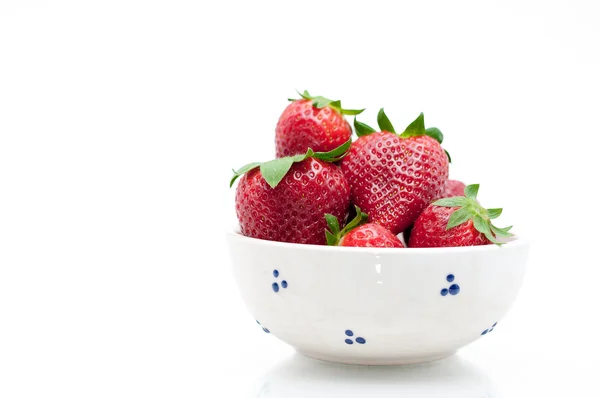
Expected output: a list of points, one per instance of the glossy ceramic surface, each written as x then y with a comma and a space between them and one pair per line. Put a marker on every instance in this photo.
377, 306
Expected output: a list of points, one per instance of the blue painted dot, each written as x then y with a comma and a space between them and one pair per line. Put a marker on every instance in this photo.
348, 341
484, 332
444, 292
349, 333
275, 287
450, 278
266, 330
454, 289
275, 273
360, 340
495, 324
491, 330
257, 322
284, 284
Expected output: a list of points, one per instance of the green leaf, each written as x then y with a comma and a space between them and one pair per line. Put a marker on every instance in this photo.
416, 128
435, 133
452, 202
301, 156
501, 231
334, 154
336, 104
480, 224
334, 235
332, 240
384, 123
460, 216
243, 170
449, 158
471, 191
351, 112
505, 229
471, 209
492, 238
318, 101
355, 222
484, 227
362, 129
274, 170
321, 102
494, 213
304, 95
333, 223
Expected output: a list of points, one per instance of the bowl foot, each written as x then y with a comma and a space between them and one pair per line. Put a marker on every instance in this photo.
377, 361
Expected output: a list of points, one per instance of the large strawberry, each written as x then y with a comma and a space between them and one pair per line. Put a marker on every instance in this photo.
286, 199
457, 221
359, 233
393, 177
312, 122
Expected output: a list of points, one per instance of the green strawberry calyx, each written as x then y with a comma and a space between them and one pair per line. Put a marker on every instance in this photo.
415, 129
274, 170
321, 102
470, 209
334, 234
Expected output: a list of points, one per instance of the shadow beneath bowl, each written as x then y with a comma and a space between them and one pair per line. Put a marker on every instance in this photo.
301, 377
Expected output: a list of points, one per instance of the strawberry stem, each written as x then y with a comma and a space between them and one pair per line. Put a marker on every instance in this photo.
470, 209
320, 102
274, 170
334, 234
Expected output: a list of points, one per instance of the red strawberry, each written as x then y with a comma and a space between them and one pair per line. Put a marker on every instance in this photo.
394, 177
454, 188
457, 221
286, 199
371, 235
312, 122
359, 234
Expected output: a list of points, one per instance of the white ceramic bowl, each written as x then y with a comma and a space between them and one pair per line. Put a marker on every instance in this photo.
377, 306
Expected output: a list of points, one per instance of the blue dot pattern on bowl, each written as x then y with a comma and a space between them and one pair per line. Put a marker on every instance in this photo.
275, 285
263, 328
486, 331
359, 340
454, 289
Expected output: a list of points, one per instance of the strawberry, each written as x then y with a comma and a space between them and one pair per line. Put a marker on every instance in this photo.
453, 188
312, 122
393, 177
286, 199
457, 221
359, 233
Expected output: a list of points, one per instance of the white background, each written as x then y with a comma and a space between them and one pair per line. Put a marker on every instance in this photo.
120, 122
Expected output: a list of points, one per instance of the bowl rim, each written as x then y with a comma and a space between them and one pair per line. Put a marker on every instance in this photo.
518, 241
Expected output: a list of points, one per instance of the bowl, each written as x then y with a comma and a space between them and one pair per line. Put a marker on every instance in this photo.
373, 306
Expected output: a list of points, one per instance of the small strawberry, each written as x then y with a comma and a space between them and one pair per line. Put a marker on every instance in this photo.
358, 233
312, 122
286, 199
393, 177
457, 221
454, 188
